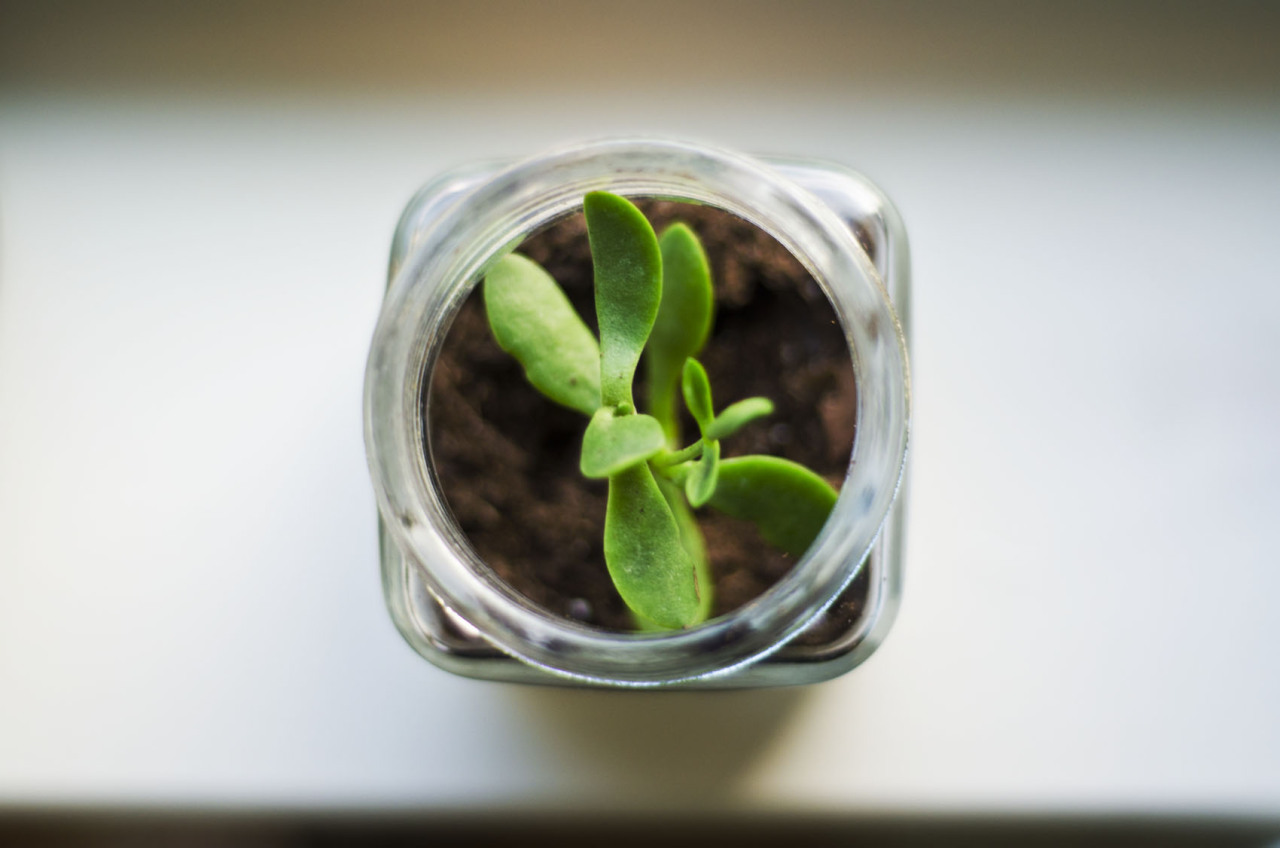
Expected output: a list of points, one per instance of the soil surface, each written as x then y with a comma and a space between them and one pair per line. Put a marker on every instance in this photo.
507, 458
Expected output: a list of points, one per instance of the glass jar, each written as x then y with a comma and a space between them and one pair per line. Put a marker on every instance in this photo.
453, 609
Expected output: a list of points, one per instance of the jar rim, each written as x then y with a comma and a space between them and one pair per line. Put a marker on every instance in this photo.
448, 260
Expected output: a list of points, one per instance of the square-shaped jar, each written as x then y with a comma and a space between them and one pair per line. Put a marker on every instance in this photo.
838, 604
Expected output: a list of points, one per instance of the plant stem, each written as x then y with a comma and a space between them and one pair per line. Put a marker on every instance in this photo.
669, 458
661, 396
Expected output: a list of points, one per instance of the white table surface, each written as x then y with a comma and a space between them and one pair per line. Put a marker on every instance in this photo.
190, 610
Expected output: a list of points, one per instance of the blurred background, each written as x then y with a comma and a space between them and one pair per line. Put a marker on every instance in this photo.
196, 204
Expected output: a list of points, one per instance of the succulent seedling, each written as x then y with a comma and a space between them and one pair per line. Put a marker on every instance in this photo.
654, 302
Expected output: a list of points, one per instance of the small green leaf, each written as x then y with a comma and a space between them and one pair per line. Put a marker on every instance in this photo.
697, 393
649, 564
787, 502
613, 443
683, 322
628, 283
735, 415
701, 482
532, 320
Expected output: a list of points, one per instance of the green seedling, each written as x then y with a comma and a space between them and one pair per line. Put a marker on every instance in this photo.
654, 303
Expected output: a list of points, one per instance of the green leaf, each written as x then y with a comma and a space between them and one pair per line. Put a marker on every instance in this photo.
532, 320
691, 538
649, 564
735, 415
697, 393
787, 502
683, 322
613, 442
701, 482
628, 284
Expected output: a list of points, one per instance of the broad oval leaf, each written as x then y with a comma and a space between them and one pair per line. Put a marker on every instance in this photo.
532, 319
683, 322
702, 479
628, 286
787, 502
649, 565
734, 416
697, 393
613, 443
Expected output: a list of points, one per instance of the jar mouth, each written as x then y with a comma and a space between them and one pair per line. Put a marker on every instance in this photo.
448, 260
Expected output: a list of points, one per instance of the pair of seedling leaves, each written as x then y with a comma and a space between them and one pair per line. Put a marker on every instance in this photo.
653, 298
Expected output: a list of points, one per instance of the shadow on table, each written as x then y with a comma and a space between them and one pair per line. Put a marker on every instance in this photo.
69, 829
682, 747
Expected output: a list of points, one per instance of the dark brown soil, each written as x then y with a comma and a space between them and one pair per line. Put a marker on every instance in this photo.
507, 458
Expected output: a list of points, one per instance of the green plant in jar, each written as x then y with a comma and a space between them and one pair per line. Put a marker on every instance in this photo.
654, 303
